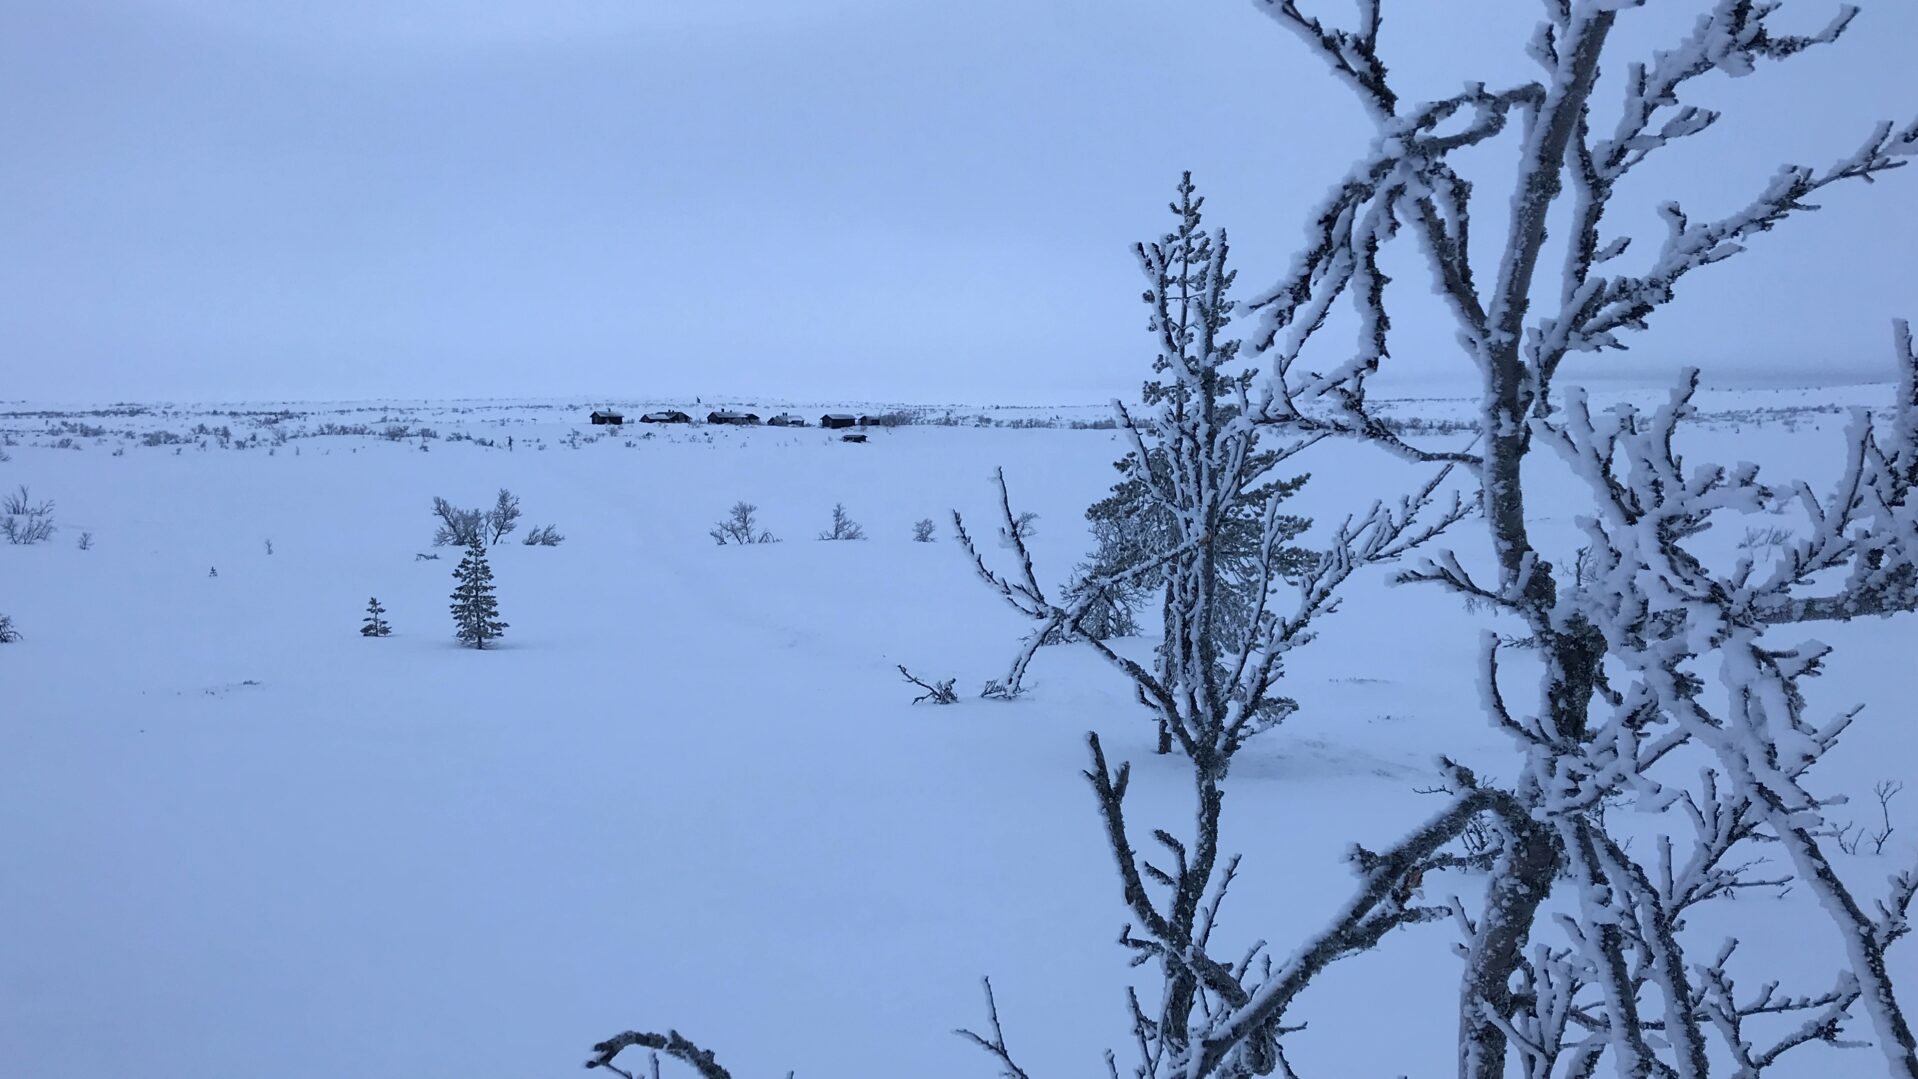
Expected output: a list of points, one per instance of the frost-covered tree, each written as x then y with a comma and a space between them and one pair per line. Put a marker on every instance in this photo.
1135, 523
8, 634
922, 530
1211, 535
1641, 668
475, 608
1198, 464
1661, 675
375, 624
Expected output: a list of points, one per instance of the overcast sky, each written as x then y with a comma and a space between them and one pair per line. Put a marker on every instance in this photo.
817, 199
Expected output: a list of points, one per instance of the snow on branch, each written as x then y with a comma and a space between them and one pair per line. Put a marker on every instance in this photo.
1352, 55
1625, 302
671, 1043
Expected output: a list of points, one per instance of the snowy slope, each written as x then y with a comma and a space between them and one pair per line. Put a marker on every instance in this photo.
690, 789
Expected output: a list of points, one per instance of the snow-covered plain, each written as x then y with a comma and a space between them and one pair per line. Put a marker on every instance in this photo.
689, 790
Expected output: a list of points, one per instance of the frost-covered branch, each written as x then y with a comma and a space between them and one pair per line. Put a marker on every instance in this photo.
671, 1043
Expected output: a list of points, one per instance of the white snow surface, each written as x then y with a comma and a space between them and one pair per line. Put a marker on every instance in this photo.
688, 789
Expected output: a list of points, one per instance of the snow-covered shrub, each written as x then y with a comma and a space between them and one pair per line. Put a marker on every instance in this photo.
938, 692
843, 526
922, 530
8, 634
543, 536
24, 521
458, 527
741, 526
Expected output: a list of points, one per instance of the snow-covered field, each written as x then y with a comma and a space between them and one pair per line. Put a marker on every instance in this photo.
689, 789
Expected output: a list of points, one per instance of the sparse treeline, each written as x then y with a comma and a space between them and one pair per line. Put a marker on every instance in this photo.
741, 526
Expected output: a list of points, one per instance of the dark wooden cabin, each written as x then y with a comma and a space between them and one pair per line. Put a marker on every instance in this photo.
608, 417
666, 416
786, 419
837, 420
737, 419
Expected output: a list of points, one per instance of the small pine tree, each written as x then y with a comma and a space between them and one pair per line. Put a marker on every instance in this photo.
475, 609
1134, 524
376, 624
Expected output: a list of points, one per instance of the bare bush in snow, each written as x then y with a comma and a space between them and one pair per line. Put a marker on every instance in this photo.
843, 526
543, 536
1850, 838
8, 634
940, 692
24, 521
922, 530
741, 526
1018, 528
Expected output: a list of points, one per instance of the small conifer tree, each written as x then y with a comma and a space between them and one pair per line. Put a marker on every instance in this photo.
376, 624
475, 609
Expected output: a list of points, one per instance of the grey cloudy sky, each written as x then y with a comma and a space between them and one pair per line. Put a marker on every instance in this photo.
880, 199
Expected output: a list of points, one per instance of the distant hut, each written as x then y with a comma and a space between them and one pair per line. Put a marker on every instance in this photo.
786, 419
855, 437
608, 416
835, 420
737, 419
669, 415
